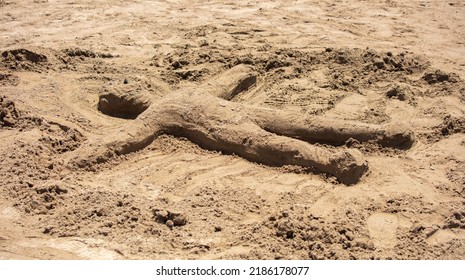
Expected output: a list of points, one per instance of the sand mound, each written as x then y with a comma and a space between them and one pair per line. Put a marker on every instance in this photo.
8, 80
77, 52
23, 59
8, 113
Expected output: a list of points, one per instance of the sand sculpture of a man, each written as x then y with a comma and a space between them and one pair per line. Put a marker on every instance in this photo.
207, 116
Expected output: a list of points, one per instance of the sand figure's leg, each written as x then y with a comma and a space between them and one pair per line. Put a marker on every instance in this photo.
255, 144
316, 129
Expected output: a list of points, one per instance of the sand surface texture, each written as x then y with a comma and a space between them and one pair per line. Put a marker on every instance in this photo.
90, 168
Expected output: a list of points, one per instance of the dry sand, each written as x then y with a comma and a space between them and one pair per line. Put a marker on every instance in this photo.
375, 62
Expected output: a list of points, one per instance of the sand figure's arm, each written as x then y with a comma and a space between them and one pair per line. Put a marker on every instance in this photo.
129, 138
232, 82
